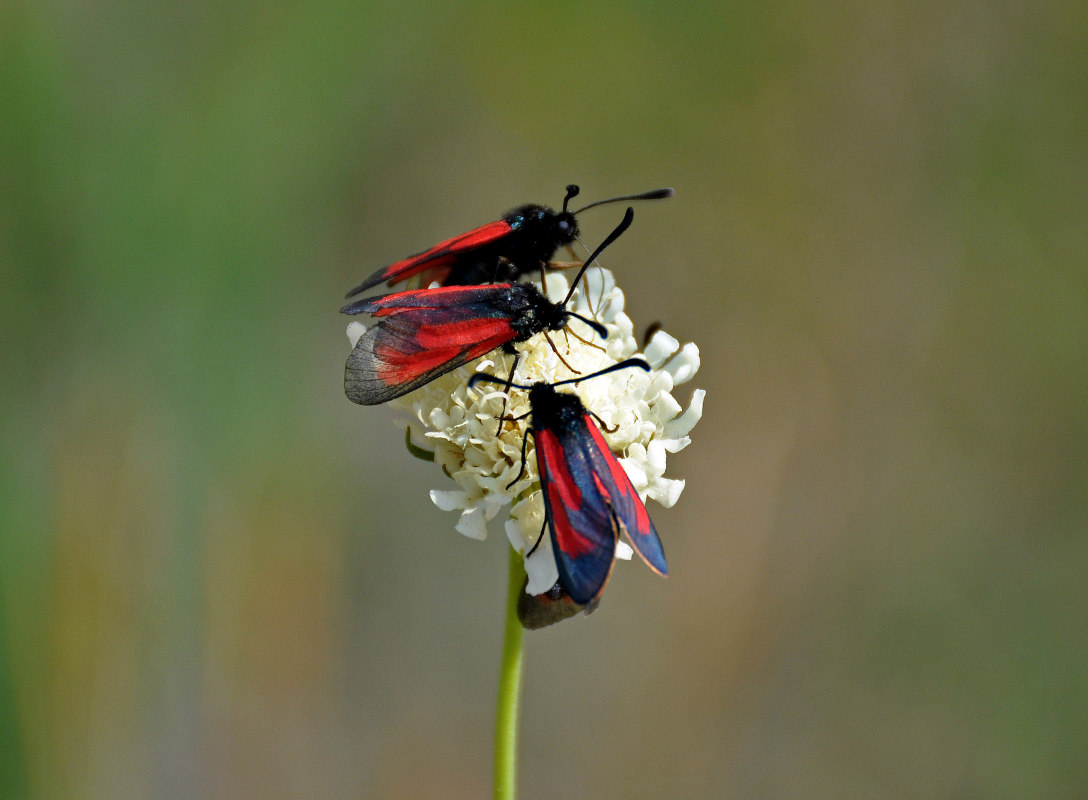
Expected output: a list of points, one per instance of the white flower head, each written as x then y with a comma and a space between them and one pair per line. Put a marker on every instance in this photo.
643, 422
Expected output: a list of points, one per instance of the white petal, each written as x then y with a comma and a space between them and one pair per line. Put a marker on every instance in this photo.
666, 407
675, 445
661, 384
449, 501
515, 535
600, 283
666, 491
355, 332
655, 457
686, 421
684, 366
659, 348
472, 524
634, 469
557, 289
541, 569
624, 551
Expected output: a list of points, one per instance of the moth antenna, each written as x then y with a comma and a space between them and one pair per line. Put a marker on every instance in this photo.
483, 376
600, 329
572, 191
625, 223
625, 364
653, 194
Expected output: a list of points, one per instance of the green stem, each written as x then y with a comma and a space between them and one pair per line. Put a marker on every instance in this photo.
506, 713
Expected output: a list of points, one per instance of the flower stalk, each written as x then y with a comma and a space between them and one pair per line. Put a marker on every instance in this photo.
506, 712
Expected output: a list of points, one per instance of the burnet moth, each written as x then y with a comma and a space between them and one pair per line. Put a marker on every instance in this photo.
521, 242
588, 498
424, 333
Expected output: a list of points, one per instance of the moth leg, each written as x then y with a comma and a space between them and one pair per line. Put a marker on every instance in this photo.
600, 422
503, 261
536, 544
560, 356
571, 331
524, 442
506, 390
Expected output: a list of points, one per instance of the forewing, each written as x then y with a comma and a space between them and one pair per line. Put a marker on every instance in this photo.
477, 300
583, 526
439, 259
622, 496
412, 343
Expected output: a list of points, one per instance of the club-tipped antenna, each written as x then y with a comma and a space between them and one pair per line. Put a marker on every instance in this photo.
598, 328
572, 191
653, 194
480, 377
641, 363
625, 223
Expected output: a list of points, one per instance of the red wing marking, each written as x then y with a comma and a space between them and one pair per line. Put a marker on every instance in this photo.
420, 336
582, 523
440, 297
444, 253
629, 509
431, 347
563, 495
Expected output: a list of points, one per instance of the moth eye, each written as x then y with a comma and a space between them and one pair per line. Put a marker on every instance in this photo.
564, 225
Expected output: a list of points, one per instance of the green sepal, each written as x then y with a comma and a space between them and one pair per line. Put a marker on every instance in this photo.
418, 452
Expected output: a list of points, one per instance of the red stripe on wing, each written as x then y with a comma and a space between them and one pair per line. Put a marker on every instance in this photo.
421, 335
459, 302
477, 237
437, 349
623, 487
563, 494
581, 524
438, 259
630, 510
439, 297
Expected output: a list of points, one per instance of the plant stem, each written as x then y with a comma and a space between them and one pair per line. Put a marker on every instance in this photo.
506, 712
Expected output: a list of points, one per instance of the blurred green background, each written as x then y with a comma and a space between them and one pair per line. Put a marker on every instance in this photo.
222, 579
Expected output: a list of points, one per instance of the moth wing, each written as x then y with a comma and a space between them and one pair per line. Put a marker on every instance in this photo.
421, 335
629, 508
439, 259
583, 526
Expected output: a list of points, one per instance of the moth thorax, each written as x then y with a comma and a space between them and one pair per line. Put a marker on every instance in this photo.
553, 408
536, 313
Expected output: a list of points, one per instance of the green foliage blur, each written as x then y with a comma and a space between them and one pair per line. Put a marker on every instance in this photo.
218, 578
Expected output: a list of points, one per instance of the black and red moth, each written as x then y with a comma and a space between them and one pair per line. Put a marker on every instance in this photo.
424, 333
522, 241
588, 498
